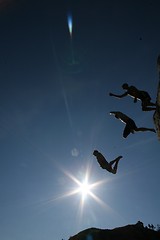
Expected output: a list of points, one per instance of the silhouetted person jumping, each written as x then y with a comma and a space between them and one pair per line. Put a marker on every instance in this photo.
137, 95
107, 165
130, 124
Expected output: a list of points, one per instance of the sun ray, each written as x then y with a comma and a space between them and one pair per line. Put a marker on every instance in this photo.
81, 186
85, 189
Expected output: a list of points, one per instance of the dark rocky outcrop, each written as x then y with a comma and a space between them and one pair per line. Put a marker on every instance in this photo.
130, 232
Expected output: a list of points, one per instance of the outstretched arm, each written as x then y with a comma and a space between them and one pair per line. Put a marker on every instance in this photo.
118, 96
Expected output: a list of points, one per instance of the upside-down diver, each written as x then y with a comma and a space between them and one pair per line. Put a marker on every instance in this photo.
107, 165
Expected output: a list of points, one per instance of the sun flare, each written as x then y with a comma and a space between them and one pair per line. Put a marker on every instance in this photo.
81, 188
84, 189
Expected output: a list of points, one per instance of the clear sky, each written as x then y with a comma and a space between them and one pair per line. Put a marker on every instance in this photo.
54, 111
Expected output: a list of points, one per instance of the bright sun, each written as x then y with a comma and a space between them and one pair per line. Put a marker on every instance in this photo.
84, 188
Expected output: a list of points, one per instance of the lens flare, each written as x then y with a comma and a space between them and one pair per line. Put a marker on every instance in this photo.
70, 25
84, 188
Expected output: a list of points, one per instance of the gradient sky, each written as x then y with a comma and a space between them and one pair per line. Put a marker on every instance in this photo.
54, 111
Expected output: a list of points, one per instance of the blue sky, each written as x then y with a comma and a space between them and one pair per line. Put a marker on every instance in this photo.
55, 111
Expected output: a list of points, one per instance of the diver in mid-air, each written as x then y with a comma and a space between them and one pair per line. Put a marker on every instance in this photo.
130, 124
107, 165
137, 95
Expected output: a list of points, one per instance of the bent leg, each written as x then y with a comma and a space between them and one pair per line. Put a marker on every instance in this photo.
114, 170
143, 129
146, 104
116, 161
145, 108
151, 104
